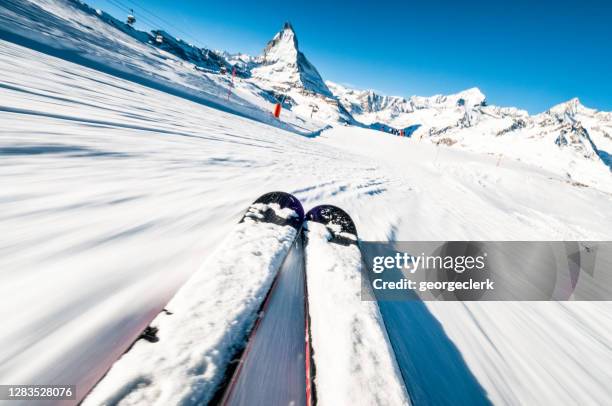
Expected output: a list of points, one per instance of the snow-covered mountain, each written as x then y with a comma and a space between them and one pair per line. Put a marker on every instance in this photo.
364, 102
569, 138
284, 71
451, 119
284, 65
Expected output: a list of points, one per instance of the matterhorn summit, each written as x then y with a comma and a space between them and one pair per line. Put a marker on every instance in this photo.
284, 66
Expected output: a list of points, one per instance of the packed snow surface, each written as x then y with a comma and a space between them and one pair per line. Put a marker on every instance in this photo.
115, 193
118, 181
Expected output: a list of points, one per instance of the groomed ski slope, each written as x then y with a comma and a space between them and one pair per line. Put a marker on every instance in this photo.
114, 194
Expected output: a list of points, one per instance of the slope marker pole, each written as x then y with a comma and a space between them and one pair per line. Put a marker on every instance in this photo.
231, 85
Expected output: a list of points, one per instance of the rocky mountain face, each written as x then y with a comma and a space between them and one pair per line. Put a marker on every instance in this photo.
579, 128
367, 101
286, 67
361, 102
200, 57
286, 76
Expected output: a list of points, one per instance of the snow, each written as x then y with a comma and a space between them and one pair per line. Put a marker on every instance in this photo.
471, 97
569, 139
209, 321
351, 350
73, 31
534, 352
284, 65
360, 102
336, 230
272, 369
116, 193
124, 167
256, 211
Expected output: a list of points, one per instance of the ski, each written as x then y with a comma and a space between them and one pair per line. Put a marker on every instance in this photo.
189, 350
271, 370
347, 335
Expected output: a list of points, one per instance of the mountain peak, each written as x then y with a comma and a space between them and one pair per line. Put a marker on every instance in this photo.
288, 26
571, 103
284, 46
283, 65
469, 98
472, 96
570, 108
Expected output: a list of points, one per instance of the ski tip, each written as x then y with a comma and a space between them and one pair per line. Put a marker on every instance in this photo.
279, 214
336, 220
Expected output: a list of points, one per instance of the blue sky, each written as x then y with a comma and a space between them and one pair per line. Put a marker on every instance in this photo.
530, 54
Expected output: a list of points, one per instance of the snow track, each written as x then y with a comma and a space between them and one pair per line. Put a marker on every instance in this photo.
115, 193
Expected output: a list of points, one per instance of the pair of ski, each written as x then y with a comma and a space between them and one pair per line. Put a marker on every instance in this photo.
250, 326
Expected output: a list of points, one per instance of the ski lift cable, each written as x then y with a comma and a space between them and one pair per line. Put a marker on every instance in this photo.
154, 24
163, 21
121, 7
130, 10
159, 22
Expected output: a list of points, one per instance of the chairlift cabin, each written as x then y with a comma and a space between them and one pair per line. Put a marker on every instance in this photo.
130, 18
